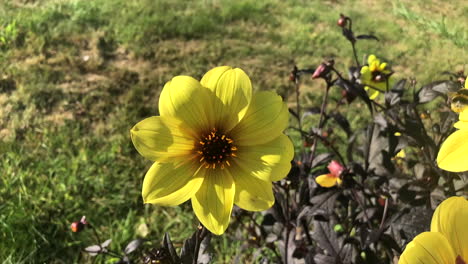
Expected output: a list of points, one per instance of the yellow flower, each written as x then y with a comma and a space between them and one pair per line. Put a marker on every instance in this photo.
447, 243
333, 178
453, 152
375, 76
215, 143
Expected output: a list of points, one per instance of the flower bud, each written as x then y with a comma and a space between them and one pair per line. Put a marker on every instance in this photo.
342, 22
77, 227
323, 69
335, 168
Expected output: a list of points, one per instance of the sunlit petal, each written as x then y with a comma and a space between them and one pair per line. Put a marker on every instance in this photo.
233, 88
252, 193
269, 162
185, 99
428, 248
161, 138
168, 184
451, 219
214, 200
371, 58
264, 121
326, 180
453, 152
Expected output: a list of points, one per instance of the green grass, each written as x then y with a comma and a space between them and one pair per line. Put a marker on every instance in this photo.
84, 72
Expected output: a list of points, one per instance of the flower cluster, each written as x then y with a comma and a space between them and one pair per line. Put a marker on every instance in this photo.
216, 143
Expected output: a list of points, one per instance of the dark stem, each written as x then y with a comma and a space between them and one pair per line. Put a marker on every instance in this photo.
384, 214
201, 234
287, 226
322, 115
355, 54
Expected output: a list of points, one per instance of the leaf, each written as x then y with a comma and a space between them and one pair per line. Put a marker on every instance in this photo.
133, 245
326, 238
186, 253
399, 86
321, 159
167, 244
343, 123
106, 243
367, 37
426, 94
430, 91
93, 250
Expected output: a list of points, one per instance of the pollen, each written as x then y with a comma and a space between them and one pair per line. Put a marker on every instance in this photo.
215, 148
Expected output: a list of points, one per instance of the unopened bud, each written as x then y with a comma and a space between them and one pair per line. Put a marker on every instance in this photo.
77, 227
342, 21
335, 168
323, 69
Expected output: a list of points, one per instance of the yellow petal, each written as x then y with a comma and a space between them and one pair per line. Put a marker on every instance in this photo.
270, 161
326, 180
214, 200
461, 125
382, 66
453, 152
365, 70
264, 121
374, 94
371, 58
168, 184
185, 99
428, 248
451, 219
252, 194
233, 88
161, 138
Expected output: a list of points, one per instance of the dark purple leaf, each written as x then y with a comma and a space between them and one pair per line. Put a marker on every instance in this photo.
321, 159
93, 250
167, 244
367, 37
133, 245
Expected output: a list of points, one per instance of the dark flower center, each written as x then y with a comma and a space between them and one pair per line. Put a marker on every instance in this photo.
378, 76
215, 149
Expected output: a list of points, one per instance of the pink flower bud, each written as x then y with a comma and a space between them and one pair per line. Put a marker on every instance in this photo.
335, 168
319, 72
342, 21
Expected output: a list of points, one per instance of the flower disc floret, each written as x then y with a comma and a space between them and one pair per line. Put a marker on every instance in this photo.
216, 149
215, 143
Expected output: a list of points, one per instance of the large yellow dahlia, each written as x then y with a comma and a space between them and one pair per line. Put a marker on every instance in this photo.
447, 243
453, 153
375, 76
215, 143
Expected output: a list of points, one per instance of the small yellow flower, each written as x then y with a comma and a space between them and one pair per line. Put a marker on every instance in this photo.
375, 76
453, 152
215, 143
333, 178
447, 242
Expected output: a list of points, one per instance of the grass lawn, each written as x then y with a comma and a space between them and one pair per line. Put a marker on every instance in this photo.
77, 75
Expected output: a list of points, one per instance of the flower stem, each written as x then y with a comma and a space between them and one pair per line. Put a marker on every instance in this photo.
201, 234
